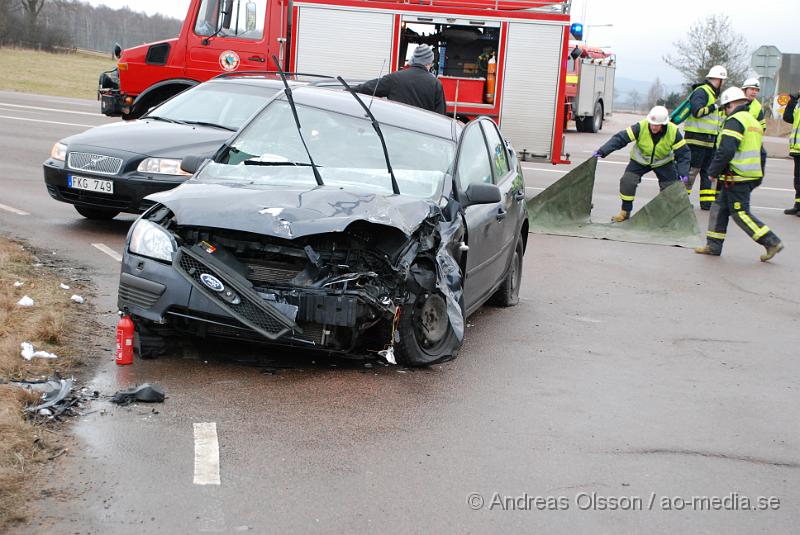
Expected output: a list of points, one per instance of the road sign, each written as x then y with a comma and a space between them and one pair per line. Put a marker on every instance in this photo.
766, 60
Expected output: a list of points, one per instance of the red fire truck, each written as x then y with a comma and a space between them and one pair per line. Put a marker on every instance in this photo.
590, 87
500, 58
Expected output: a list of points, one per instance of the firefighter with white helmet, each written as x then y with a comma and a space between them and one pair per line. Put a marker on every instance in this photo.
738, 166
658, 146
751, 88
701, 130
791, 115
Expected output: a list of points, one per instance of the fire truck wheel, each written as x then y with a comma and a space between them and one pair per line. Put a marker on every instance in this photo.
597, 120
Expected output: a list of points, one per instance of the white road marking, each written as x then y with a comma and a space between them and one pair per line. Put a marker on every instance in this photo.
613, 163
766, 208
776, 189
43, 121
57, 110
103, 248
206, 454
13, 210
585, 319
545, 170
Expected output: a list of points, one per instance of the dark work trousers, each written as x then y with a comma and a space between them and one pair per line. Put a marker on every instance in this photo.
701, 160
733, 201
667, 174
796, 180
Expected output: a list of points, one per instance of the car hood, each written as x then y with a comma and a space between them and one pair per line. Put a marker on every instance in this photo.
290, 212
152, 138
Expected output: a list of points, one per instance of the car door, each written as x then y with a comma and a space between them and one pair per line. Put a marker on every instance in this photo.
512, 190
484, 222
242, 47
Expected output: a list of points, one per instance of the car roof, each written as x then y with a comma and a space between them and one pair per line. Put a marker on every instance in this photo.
385, 111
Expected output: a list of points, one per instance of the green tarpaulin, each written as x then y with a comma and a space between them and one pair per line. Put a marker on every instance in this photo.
565, 209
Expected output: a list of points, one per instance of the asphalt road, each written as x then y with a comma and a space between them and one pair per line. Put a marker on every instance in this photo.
630, 377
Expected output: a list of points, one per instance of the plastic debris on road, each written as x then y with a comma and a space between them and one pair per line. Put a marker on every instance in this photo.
18, 284
78, 299
388, 354
147, 393
57, 397
25, 302
63, 286
28, 352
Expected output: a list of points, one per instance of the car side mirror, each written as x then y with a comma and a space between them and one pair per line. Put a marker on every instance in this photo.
117, 50
190, 164
483, 194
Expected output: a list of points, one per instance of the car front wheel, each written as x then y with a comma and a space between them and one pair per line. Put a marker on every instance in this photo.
98, 214
425, 335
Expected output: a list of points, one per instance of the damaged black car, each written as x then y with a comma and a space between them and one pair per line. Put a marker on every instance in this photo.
337, 224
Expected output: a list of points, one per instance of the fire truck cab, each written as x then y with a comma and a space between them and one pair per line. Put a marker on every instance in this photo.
505, 59
590, 87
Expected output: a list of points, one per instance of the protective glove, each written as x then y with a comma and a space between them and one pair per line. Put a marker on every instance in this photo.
713, 107
685, 180
597, 154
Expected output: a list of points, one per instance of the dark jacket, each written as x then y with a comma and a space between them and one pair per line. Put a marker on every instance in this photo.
729, 145
414, 86
697, 105
683, 155
788, 113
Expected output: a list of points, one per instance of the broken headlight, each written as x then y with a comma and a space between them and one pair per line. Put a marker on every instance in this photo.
152, 241
162, 166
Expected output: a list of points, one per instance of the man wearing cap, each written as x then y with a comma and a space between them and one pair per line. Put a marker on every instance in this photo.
751, 88
658, 147
739, 167
791, 115
701, 130
415, 86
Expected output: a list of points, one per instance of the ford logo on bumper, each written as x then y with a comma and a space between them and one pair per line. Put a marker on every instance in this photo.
212, 282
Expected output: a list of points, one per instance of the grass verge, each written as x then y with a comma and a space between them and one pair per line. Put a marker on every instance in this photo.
65, 74
23, 447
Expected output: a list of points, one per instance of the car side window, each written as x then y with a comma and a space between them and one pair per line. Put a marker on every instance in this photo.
473, 161
497, 149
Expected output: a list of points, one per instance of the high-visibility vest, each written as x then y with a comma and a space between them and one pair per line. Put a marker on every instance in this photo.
794, 137
746, 163
644, 151
755, 110
709, 124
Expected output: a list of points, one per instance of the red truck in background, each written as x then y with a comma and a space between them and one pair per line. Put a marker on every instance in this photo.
505, 59
590, 87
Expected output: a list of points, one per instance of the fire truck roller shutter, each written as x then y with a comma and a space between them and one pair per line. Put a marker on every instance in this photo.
530, 86
343, 42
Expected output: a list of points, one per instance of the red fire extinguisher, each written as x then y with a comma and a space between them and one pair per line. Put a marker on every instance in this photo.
124, 340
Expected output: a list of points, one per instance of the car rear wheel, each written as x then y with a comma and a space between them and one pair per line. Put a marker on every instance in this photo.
425, 335
98, 214
508, 294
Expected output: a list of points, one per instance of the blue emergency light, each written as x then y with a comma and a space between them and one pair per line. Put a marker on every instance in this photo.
576, 29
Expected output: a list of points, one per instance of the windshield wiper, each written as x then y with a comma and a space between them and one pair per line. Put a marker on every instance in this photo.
165, 119
376, 126
212, 125
276, 164
288, 91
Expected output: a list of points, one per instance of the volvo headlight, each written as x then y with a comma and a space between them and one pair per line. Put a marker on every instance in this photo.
162, 166
59, 152
152, 241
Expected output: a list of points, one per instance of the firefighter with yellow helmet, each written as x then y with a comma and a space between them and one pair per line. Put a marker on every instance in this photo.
738, 165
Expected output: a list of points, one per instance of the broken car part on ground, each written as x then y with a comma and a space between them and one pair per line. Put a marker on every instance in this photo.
254, 247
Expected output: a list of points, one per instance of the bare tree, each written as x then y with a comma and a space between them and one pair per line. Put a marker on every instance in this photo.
711, 41
32, 8
656, 93
634, 97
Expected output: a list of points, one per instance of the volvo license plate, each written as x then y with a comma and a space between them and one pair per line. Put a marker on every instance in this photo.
90, 184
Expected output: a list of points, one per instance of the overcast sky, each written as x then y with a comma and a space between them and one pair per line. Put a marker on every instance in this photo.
642, 32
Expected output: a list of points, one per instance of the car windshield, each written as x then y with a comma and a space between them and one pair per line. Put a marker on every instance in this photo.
225, 105
346, 149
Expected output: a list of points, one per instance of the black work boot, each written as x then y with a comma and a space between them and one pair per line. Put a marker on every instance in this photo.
705, 206
706, 249
772, 250
795, 210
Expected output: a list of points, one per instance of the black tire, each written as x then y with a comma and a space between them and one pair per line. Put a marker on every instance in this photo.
508, 293
427, 316
582, 124
146, 343
97, 214
596, 121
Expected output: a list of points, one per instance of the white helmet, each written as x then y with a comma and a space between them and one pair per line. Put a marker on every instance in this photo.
751, 82
718, 71
658, 115
732, 94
